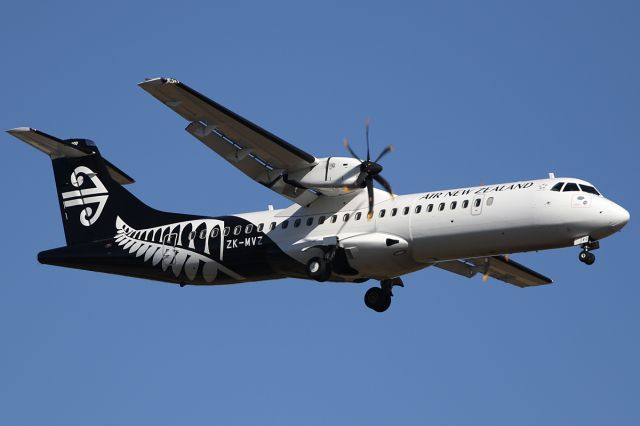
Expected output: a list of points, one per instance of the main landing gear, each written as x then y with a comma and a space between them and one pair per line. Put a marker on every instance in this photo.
319, 269
585, 255
334, 260
379, 298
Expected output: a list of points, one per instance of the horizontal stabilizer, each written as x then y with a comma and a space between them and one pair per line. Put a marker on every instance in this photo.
70, 148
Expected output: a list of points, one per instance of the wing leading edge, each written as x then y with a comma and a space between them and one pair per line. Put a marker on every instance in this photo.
498, 267
259, 154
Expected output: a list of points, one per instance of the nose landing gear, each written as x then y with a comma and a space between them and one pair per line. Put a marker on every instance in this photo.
379, 298
585, 255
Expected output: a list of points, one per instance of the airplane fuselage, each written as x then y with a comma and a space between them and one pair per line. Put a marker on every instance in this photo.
407, 233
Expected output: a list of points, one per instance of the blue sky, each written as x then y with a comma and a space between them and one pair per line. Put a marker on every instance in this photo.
469, 92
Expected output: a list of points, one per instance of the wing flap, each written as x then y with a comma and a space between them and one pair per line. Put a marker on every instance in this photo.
498, 267
249, 164
240, 158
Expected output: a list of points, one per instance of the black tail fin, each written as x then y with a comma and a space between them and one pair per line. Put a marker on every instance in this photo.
90, 190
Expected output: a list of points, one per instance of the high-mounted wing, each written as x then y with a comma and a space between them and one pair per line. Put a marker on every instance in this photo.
498, 267
259, 154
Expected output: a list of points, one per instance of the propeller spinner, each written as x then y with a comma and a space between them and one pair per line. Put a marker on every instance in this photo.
369, 171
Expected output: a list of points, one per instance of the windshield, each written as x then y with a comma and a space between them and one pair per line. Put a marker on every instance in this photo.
589, 189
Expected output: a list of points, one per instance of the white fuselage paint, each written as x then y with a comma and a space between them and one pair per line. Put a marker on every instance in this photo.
508, 218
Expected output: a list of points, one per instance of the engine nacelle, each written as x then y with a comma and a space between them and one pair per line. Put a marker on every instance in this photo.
329, 176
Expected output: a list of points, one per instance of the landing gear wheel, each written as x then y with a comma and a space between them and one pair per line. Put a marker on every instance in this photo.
318, 269
377, 299
587, 257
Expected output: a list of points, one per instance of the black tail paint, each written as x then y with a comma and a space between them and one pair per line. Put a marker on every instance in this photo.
90, 190
108, 229
89, 198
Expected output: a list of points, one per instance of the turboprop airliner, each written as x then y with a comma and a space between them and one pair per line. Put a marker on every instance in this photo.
338, 228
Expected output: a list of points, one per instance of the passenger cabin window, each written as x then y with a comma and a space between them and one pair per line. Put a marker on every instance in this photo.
272, 226
310, 221
418, 209
489, 201
589, 189
476, 202
358, 216
453, 205
237, 230
203, 234
405, 211
429, 208
192, 235
465, 204
260, 227
321, 220
345, 217
296, 223
394, 212
226, 230
285, 224
557, 187
382, 213
334, 218
214, 232
570, 187
248, 229
441, 207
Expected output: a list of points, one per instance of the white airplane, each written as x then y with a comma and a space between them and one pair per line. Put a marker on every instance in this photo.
339, 227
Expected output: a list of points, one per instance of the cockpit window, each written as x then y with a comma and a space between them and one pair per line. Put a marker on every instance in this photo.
557, 186
589, 189
571, 187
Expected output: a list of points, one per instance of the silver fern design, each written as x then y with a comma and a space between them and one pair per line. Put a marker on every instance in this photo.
164, 247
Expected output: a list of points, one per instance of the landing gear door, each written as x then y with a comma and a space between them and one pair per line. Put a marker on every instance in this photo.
169, 249
476, 204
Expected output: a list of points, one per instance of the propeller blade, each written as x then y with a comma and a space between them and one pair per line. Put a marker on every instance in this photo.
345, 142
382, 181
366, 131
485, 276
384, 152
370, 193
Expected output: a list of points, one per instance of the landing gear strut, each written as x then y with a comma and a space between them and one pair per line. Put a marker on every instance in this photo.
585, 255
379, 298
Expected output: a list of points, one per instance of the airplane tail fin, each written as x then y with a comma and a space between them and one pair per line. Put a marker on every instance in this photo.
90, 191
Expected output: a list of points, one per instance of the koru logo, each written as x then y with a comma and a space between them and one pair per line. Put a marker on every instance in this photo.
85, 197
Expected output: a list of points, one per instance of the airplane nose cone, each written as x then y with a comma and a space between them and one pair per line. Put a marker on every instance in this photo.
619, 217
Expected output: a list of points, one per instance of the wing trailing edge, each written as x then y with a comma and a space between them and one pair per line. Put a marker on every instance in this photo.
498, 267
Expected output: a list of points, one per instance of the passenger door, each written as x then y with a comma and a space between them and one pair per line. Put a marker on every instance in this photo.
169, 249
476, 204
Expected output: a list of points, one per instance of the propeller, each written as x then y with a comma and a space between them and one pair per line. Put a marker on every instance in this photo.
369, 171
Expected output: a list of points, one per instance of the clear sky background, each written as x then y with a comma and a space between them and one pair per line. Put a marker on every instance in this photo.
469, 92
